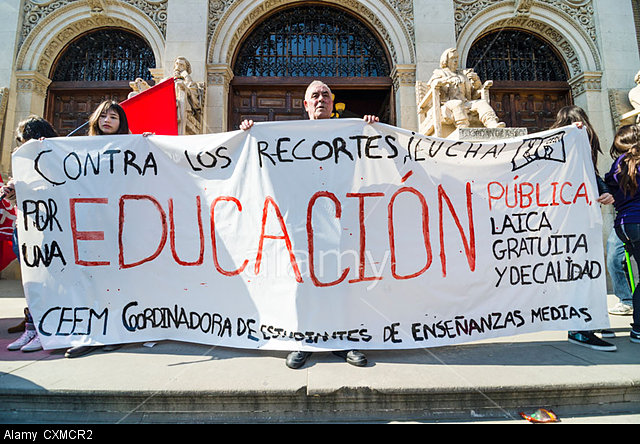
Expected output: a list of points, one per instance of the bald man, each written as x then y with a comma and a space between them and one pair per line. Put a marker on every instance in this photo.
318, 102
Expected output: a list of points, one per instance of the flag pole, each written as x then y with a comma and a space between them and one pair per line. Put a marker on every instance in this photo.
78, 129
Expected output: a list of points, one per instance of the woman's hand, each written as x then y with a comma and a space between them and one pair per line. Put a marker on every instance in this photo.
605, 199
246, 124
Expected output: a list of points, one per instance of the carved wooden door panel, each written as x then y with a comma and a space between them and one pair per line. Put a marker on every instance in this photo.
261, 102
70, 109
266, 105
532, 109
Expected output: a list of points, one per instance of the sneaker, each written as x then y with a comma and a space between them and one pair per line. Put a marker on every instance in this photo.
621, 309
606, 333
589, 339
33, 345
23, 340
634, 337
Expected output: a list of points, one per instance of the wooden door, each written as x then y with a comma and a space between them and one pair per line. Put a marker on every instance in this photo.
70, 108
534, 108
266, 104
263, 100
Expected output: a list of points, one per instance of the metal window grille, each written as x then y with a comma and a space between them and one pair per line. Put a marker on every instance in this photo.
517, 56
312, 41
105, 55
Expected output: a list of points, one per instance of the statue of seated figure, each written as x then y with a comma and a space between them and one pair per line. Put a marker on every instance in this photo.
454, 99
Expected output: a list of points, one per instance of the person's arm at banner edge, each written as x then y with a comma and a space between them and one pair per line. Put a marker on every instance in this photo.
605, 198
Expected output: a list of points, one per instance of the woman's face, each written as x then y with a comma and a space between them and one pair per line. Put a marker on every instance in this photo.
109, 122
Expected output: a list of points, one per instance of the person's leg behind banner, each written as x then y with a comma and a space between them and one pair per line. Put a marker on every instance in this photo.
620, 277
630, 235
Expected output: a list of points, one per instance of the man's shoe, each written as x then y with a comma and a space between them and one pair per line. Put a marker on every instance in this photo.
353, 357
80, 350
297, 359
621, 309
23, 340
589, 339
17, 328
634, 337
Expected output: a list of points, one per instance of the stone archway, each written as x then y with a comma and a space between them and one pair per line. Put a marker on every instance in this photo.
568, 30
530, 80
230, 24
46, 37
294, 45
567, 27
94, 67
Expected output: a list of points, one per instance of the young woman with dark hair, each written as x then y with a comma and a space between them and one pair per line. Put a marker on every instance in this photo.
108, 119
622, 179
574, 115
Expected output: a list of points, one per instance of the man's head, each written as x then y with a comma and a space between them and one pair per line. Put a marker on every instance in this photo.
318, 101
449, 59
181, 64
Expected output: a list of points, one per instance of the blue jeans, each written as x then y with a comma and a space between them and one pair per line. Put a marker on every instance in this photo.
617, 267
630, 235
16, 246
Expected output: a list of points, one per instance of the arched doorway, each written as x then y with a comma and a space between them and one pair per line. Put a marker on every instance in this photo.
530, 78
95, 67
295, 45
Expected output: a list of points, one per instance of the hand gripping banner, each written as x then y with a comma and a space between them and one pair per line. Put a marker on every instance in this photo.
313, 235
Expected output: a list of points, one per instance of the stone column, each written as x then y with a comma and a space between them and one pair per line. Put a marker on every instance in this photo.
10, 16
618, 51
618, 42
434, 32
187, 36
215, 116
31, 92
9, 31
404, 88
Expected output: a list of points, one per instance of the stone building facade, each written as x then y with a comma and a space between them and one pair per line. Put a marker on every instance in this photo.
541, 54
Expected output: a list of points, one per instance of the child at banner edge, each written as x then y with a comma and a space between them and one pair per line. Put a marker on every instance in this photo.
33, 127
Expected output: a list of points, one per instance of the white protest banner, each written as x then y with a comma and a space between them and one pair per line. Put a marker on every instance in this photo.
314, 235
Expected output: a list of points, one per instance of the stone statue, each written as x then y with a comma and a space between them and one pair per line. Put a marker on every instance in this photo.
455, 99
137, 86
625, 105
634, 96
189, 97
460, 93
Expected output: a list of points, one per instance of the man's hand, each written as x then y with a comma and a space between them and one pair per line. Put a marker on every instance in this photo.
370, 119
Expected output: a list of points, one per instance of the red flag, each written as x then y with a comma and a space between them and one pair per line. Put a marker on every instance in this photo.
153, 110
7, 219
